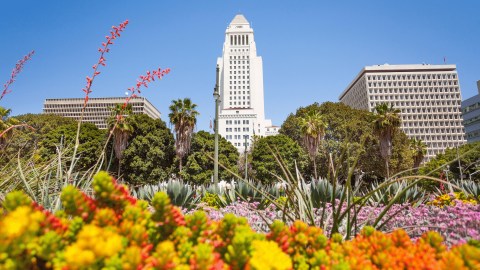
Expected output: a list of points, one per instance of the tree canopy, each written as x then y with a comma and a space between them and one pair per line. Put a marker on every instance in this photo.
264, 164
349, 138
467, 154
199, 165
150, 154
91, 141
183, 116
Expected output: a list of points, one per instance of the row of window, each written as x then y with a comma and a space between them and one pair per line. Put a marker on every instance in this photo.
239, 92
239, 103
433, 114
239, 82
241, 144
239, 40
426, 90
412, 77
244, 129
238, 122
439, 138
238, 50
237, 137
239, 77
423, 103
415, 97
239, 62
240, 97
471, 107
240, 67
240, 87
471, 121
414, 83
239, 72
239, 57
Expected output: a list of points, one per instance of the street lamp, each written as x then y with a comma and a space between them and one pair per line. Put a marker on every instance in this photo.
448, 181
216, 96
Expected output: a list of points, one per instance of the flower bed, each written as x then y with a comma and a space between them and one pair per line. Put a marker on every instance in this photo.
456, 223
115, 231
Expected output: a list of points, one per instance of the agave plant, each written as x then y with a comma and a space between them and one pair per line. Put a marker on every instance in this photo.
384, 194
180, 193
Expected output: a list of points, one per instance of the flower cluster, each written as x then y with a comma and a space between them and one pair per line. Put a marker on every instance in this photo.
114, 33
18, 68
451, 199
114, 231
143, 81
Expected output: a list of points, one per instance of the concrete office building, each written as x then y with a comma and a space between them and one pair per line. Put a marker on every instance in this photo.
427, 95
98, 109
471, 117
241, 87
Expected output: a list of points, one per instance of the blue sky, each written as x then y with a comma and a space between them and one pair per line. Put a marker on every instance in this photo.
311, 49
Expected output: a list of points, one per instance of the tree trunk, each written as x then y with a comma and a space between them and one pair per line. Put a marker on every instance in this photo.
315, 167
119, 165
180, 165
386, 166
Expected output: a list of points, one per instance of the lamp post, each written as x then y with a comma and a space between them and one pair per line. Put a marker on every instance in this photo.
448, 181
246, 159
216, 96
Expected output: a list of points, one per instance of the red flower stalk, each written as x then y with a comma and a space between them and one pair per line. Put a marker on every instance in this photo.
101, 60
144, 81
15, 71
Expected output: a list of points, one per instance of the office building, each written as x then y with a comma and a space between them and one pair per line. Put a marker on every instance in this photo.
471, 117
241, 87
428, 97
98, 109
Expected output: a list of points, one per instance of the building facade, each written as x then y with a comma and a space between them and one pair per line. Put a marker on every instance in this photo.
241, 87
471, 117
98, 109
428, 97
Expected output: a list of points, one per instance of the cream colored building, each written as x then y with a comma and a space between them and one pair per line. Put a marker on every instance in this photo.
98, 109
241, 87
428, 97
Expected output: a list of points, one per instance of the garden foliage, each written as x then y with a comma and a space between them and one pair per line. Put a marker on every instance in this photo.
113, 230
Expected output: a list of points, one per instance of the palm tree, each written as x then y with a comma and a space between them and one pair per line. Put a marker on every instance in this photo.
313, 128
385, 124
6, 125
121, 128
183, 116
419, 149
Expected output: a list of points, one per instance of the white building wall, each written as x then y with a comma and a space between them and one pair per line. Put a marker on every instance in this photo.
428, 97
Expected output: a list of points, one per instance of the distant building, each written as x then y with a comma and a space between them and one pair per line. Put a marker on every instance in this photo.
98, 109
241, 87
471, 116
428, 97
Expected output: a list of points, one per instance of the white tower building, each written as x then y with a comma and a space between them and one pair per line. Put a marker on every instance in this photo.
241, 87
428, 97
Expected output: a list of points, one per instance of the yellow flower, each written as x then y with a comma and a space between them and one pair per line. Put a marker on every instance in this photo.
267, 255
93, 243
19, 222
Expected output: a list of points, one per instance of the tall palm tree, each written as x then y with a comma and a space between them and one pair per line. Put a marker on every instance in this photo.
6, 122
120, 125
419, 149
183, 116
385, 124
313, 128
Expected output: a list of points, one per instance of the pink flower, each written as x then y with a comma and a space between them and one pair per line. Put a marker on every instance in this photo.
15, 71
